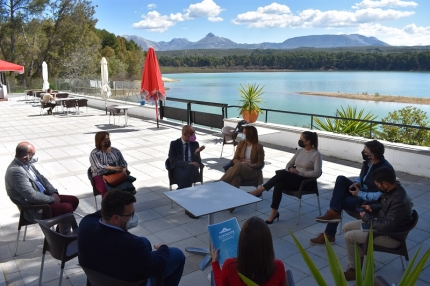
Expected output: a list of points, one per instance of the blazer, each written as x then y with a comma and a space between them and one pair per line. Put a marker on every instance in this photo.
176, 154
257, 154
21, 187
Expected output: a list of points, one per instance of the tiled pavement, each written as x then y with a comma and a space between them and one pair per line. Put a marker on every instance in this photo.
63, 144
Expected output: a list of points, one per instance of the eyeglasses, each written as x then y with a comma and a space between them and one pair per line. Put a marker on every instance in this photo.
130, 215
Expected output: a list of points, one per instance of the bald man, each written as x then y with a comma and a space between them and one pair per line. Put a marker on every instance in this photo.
26, 186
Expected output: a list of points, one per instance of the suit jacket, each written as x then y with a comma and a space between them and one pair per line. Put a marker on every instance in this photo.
176, 154
257, 154
21, 187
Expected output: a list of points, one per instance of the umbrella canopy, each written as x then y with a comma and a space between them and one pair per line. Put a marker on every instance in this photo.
152, 86
105, 89
6, 66
45, 76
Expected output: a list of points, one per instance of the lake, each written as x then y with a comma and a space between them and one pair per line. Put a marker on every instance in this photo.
281, 91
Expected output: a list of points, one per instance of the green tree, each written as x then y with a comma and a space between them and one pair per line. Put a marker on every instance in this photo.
406, 116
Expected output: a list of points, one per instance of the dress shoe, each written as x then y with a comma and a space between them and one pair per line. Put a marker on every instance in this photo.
349, 274
271, 221
331, 216
320, 240
191, 215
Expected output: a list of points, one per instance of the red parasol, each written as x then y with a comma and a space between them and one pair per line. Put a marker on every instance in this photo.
152, 86
6, 66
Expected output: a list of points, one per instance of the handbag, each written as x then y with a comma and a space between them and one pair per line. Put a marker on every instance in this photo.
115, 179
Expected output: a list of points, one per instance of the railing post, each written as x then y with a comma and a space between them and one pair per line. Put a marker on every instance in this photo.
312, 122
265, 121
189, 113
226, 108
370, 131
161, 109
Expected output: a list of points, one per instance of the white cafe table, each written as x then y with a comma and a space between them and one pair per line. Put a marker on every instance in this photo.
125, 107
208, 199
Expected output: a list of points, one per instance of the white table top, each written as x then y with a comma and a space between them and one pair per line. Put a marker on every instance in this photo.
211, 198
124, 106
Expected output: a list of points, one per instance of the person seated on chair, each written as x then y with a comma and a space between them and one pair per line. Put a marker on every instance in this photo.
105, 245
47, 98
392, 212
105, 159
255, 258
185, 160
347, 194
305, 164
26, 186
248, 159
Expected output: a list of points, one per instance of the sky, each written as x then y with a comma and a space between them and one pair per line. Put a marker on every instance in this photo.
396, 22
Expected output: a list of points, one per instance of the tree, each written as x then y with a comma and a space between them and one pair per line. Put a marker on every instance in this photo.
407, 116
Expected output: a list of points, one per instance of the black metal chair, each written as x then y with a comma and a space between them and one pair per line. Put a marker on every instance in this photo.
114, 112
400, 236
61, 247
95, 191
69, 104
172, 180
23, 222
81, 103
95, 278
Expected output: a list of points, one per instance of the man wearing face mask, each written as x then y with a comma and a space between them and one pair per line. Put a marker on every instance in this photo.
184, 158
105, 245
26, 186
347, 194
392, 212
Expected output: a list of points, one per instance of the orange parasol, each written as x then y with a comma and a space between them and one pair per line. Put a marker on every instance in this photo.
152, 86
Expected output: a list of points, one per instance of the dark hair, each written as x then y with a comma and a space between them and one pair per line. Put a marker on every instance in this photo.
21, 149
376, 148
251, 134
100, 137
313, 137
255, 254
115, 201
49, 90
384, 174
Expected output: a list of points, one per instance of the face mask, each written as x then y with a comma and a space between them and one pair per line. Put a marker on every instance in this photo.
192, 138
132, 222
33, 160
301, 144
243, 136
365, 156
106, 144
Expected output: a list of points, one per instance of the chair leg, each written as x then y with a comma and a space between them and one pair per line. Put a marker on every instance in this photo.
340, 224
95, 202
403, 262
16, 242
61, 277
319, 206
171, 202
41, 269
25, 233
222, 148
298, 211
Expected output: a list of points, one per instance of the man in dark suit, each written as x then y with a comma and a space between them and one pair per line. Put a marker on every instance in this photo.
184, 157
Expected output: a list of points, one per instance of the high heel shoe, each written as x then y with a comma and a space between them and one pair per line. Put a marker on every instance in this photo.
271, 221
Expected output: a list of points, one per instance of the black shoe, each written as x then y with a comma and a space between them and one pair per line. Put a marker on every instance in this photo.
276, 217
191, 215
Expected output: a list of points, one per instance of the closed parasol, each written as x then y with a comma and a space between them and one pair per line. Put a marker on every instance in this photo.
45, 76
105, 89
152, 86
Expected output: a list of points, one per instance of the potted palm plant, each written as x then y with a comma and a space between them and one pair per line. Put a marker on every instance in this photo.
251, 98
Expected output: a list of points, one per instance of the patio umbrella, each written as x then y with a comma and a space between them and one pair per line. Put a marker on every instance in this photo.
105, 89
6, 66
45, 76
152, 86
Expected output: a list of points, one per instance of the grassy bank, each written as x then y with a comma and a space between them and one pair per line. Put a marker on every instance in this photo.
375, 97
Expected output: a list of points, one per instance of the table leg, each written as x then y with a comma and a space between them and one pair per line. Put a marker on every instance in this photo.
125, 117
207, 252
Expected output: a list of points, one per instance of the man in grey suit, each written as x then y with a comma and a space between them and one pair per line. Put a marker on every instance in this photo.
26, 186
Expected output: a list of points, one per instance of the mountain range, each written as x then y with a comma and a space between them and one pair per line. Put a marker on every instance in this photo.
214, 42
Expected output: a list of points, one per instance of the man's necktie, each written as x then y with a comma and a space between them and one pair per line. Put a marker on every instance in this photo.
186, 151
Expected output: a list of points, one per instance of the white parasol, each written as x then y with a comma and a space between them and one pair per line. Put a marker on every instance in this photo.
105, 89
45, 76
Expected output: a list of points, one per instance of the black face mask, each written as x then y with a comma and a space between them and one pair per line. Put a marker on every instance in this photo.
365, 156
106, 144
301, 144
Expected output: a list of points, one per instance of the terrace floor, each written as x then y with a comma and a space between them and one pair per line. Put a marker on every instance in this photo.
63, 144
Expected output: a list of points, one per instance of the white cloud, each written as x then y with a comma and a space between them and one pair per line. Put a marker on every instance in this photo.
155, 22
151, 6
410, 35
280, 16
206, 8
384, 3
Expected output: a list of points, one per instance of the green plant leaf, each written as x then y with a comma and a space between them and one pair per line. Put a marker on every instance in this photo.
246, 280
335, 267
409, 268
358, 274
369, 272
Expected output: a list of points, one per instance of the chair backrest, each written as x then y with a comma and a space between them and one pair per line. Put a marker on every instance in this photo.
82, 102
99, 279
55, 242
62, 95
22, 208
90, 177
69, 103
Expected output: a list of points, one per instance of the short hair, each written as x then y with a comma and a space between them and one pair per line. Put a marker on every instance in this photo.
255, 254
311, 136
251, 134
376, 148
49, 90
99, 138
21, 149
384, 174
114, 203
185, 129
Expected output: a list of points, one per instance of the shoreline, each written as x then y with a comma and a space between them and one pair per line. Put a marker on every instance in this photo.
375, 97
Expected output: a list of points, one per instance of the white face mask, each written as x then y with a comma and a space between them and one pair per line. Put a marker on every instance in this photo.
132, 222
243, 136
33, 160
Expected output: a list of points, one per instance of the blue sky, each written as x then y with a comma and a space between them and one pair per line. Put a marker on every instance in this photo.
395, 22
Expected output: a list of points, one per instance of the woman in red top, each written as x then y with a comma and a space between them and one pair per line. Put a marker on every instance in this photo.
255, 259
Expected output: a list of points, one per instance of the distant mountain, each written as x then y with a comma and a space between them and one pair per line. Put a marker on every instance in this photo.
214, 42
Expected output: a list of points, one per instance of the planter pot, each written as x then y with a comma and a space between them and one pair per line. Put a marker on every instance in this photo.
251, 118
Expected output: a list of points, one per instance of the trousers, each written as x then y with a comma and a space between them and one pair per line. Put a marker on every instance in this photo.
185, 177
237, 173
67, 204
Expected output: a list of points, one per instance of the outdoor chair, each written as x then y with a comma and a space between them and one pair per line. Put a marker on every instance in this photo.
95, 191
95, 278
61, 247
43, 106
114, 112
172, 180
400, 236
62, 95
228, 138
81, 103
380, 281
69, 104
355, 215
23, 222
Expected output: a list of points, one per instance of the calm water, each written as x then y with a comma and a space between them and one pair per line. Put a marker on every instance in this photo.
280, 91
